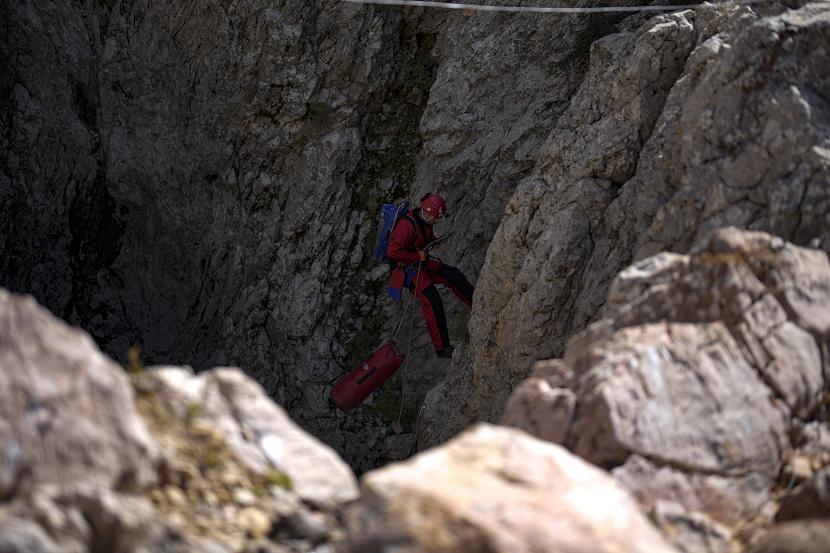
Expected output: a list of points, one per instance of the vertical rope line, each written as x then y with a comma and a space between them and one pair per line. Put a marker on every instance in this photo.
409, 345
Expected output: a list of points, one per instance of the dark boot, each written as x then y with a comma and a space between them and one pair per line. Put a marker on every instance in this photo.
446, 352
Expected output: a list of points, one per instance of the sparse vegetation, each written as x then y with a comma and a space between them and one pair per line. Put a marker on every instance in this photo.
274, 477
134, 363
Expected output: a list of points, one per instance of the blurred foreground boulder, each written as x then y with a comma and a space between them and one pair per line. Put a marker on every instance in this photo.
94, 460
67, 412
696, 381
497, 490
795, 537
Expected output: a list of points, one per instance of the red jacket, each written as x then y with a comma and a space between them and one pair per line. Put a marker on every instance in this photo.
405, 240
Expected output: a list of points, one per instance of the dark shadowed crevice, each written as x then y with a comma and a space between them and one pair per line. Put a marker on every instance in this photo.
387, 169
95, 228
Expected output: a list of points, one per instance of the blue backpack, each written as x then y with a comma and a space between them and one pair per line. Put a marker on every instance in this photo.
389, 215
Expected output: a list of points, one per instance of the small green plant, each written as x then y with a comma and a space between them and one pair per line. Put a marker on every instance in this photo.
275, 477
387, 404
134, 363
213, 458
193, 411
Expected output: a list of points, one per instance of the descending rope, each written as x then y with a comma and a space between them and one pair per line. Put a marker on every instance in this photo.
540, 9
403, 317
413, 300
475, 204
409, 345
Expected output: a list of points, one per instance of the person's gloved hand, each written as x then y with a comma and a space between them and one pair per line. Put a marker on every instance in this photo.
422, 255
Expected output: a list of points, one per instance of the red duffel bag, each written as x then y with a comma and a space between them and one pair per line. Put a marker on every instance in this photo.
367, 377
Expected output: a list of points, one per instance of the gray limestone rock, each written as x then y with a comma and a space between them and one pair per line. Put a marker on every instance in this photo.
540, 410
795, 537
258, 432
693, 121
23, 536
555, 372
731, 500
399, 446
813, 439
59, 396
694, 532
536, 259
496, 489
157, 460
697, 385
203, 181
117, 522
678, 393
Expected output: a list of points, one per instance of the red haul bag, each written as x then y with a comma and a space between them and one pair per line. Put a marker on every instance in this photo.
369, 375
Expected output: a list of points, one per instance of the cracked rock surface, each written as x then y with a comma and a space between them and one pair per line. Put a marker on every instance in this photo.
54, 383
194, 179
685, 123
688, 390
202, 180
93, 460
496, 490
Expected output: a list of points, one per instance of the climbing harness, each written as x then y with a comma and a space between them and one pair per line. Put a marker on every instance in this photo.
351, 389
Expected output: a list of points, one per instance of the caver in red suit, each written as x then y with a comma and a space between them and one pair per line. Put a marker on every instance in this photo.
407, 241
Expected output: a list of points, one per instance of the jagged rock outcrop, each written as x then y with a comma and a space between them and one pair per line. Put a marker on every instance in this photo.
495, 489
92, 460
704, 386
55, 385
795, 537
693, 121
257, 431
544, 403
501, 82
223, 469
201, 180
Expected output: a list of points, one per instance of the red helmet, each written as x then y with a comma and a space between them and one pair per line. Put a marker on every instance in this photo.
434, 205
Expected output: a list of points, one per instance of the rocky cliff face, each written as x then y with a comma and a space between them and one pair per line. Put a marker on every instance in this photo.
688, 122
704, 387
201, 180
